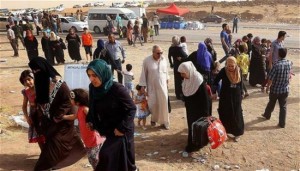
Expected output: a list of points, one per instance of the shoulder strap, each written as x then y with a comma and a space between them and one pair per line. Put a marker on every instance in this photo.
52, 96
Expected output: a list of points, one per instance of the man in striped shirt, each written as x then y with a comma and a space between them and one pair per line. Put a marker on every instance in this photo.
278, 83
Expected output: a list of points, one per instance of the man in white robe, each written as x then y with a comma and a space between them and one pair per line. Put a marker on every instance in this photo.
155, 77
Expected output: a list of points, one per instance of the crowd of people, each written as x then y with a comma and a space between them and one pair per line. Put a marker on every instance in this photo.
106, 113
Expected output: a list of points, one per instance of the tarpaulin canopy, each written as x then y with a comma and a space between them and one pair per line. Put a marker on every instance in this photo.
173, 9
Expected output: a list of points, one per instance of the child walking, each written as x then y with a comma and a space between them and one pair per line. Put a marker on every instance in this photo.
27, 79
142, 110
91, 138
151, 33
87, 43
243, 62
128, 78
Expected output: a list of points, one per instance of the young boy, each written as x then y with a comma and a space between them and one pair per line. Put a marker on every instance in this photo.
151, 32
87, 43
128, 77
243, 62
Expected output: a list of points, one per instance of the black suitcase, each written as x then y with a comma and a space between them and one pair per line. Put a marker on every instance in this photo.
199, 132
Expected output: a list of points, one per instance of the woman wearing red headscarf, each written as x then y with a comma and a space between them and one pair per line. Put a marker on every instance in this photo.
31, 45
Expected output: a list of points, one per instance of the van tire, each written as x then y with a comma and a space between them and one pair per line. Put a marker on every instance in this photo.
97, 30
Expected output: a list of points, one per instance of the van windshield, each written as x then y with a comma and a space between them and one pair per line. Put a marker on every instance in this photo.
131, 15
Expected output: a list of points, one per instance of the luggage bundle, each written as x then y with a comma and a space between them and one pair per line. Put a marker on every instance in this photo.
208, 129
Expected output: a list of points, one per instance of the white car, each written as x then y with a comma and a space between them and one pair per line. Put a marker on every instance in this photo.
118, 5
77, 6
88, 5
71, 22
132, 4
99, 4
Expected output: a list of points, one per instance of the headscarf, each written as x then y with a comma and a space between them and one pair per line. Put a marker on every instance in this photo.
100, 44
191, 85
256, 41
29, 35
100, 47
42, 78
208, 41
53, 36
234, 76
100, 68
204, 58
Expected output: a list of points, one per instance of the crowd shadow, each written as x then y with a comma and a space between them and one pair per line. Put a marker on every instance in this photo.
250, 126
163, 144
17, 162
292, 100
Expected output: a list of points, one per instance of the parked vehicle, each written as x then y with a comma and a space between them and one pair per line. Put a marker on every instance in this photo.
77, 6
132, 4
99, 4
88, 5
171, 18
138, 11
97, 17
3, 22
118, 5
4, 11
212, 18
71, 22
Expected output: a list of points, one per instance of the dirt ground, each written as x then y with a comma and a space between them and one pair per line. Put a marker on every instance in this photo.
263, 146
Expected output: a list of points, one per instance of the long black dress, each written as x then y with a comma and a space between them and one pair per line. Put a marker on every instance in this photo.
63, 146
257, 67
230, 104
31, 47
45, 41
74, 46
57, 51
116, 110
174, 53
197, 106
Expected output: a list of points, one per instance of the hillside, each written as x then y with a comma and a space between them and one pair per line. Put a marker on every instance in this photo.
268, 11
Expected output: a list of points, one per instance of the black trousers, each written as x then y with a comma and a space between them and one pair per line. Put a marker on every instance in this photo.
282, 99
156, 29
119, 67
178, 82
236, 28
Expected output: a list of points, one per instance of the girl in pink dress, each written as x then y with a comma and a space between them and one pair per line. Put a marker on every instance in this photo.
26, 78
91, 138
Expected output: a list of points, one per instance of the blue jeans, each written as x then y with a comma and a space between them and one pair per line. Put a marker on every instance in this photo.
226, 55
282, 99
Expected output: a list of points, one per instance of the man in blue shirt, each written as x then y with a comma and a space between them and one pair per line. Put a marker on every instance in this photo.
117, 52
225, 41
278, 82
276, 44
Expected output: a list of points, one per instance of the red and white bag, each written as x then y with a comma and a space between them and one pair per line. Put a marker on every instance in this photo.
216, 132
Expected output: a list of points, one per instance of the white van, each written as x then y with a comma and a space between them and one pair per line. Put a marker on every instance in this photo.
97, 17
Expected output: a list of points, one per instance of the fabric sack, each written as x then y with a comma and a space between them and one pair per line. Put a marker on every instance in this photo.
216, 132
